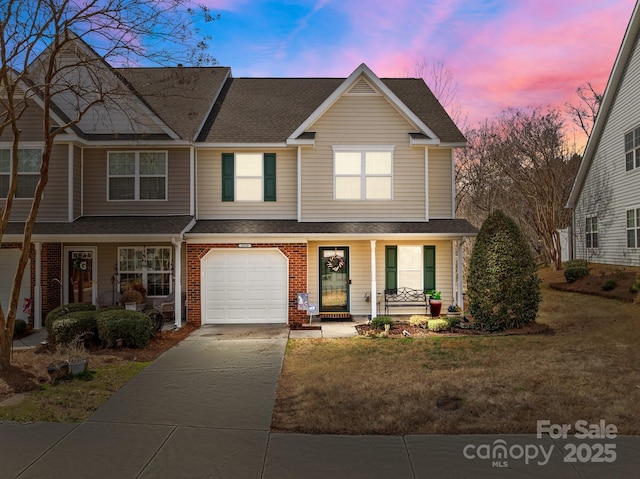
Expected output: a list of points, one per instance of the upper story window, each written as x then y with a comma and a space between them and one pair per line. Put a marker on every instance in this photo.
363, 173
632, 149
137, 175
248, 177
633, 228
28, 171
591, 232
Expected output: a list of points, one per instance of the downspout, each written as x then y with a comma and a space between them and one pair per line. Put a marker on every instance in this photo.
37, 293
177, 276
299, 183
461, 274
373, 296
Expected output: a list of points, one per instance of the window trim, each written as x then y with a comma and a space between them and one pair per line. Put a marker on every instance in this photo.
144, 272
635, 228
22, 146
229, 177
363, 150
136, 176
634, 151
590, 233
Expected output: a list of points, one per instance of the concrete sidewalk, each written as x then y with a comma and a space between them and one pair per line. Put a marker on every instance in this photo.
203, 410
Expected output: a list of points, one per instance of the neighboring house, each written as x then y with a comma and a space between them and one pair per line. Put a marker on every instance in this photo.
236, 194
606, 192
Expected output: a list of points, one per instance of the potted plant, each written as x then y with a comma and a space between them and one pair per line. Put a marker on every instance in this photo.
76, 354
133, 297
435, 303
454, 311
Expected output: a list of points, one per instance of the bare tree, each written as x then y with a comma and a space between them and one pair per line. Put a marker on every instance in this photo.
584, 113
55, 55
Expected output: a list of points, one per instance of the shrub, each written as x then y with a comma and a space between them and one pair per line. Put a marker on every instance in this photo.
77, 324
132, 327
575, 269
418, 320
20, 328
453, 321
436, 325
379, 321
62, 311
503, 287
635, 288
609, 284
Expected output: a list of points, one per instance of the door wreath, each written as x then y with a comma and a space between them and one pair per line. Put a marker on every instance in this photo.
335, 263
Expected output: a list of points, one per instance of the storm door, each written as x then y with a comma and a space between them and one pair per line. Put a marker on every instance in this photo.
334, 279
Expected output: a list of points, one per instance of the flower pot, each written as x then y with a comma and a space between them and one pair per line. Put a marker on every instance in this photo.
435, 305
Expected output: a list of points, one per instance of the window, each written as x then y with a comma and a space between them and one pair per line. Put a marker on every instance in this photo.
28, 172
363, 175
633, 228
137, 175
149, 265
248, 177
410, 266
591, 232
632, 149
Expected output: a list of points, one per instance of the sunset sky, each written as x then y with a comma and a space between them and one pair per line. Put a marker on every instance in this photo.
502, 53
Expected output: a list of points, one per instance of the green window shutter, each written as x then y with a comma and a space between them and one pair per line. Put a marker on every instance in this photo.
227, 176
429, 268
391, 267
269, 177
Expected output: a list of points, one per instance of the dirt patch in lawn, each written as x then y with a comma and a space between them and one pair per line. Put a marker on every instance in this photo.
28, 370
622, 280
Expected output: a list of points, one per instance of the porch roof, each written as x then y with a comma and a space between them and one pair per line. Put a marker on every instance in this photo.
454, 227
114, 226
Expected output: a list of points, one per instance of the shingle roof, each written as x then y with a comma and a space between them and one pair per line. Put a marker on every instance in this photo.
248, 227
180, 96
268, 110
109, 225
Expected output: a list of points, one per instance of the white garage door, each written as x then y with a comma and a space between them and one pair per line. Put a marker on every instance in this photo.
244, 286
8, 261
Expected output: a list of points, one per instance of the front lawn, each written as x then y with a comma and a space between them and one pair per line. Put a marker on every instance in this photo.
589, 369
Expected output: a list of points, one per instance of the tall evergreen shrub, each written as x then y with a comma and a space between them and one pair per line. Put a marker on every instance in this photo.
503, 287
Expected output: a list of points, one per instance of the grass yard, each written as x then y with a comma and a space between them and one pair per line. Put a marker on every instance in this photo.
589, 369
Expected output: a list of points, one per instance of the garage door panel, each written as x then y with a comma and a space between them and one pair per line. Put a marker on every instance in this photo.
9, 258
245, 287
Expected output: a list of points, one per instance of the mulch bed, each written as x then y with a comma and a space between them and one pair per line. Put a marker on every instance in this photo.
593, 283
397, 329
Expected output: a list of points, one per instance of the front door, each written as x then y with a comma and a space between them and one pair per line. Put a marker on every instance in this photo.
81, 275
334, 279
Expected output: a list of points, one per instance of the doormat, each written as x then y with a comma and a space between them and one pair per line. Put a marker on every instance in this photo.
330, 316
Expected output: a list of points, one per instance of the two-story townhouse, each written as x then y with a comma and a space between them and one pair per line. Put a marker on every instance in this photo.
337, 188
606, 192
239, 194
120, 191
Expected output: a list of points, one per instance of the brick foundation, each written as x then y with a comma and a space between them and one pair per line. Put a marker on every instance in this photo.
295, 252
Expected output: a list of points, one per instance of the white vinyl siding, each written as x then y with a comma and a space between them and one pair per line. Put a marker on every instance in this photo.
610, 190
209, 188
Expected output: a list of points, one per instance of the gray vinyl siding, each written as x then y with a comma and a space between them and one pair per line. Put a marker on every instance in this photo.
95, 185
609, 190
31, 125
362, 121
360, 273
209, 187
53, 206
77, 182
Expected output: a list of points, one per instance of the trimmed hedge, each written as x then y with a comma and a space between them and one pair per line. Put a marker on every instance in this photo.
62, 311
132, 327
379, 321
19, 328
436, 325
66, 329
503, 286
575, 269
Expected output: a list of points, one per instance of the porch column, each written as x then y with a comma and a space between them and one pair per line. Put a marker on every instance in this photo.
460, 301
374, 287
177, 279
37, 292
